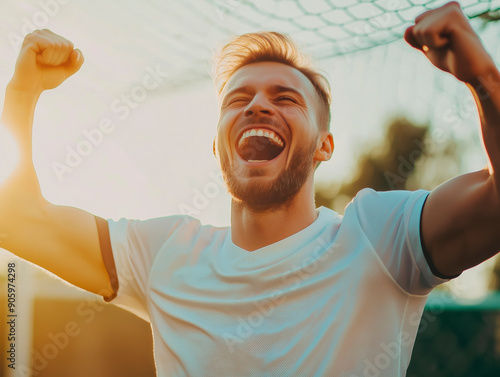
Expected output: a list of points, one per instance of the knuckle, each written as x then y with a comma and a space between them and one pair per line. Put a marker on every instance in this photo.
32, 35
454, 8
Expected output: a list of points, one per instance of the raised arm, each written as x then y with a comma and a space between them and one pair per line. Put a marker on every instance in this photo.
63, 240
461, 218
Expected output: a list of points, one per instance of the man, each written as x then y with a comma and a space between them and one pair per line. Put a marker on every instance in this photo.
288, 289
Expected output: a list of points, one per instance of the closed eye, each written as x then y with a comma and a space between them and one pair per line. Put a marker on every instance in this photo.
238, 100
284, 98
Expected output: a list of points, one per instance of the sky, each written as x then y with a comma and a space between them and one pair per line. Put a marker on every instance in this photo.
146, 82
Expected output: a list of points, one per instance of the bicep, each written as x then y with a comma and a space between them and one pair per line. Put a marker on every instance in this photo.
63, 240
460, 223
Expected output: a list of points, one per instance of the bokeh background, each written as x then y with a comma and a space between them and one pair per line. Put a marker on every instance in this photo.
398, 123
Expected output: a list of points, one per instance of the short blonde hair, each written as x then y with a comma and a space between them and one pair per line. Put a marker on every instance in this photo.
271, 47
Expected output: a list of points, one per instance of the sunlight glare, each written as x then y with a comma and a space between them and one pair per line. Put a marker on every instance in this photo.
9, 153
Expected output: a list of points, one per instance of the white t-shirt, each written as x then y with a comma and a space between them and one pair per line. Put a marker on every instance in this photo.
342, 297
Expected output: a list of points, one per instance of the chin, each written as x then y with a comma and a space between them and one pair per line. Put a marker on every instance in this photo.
261, 193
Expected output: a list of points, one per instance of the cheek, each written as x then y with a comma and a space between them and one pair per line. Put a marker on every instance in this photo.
220, 142
226, 120
291, 113
222, 138
296, 115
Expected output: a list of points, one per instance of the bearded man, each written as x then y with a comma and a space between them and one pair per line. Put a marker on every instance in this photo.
287, 289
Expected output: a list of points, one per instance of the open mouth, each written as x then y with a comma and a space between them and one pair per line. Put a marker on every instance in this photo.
260, 145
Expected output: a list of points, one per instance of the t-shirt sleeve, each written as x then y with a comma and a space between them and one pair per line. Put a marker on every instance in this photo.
135, 245
391, 222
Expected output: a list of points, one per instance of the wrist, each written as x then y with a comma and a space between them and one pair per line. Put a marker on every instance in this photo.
22, 94
19, 109
486, 83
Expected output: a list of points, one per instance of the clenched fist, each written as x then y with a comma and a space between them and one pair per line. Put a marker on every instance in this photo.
449, 42
45, 61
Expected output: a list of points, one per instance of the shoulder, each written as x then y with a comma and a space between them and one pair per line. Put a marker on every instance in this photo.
369, 201
368, 194
159, 229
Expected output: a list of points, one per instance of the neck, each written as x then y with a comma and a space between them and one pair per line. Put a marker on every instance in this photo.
252, 230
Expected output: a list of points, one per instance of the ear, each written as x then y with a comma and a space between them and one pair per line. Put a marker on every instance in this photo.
325, 149
214, 148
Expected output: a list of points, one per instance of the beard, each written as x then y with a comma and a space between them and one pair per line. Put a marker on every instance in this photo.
265, 196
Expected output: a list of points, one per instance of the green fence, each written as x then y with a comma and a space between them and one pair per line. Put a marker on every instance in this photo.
458, 338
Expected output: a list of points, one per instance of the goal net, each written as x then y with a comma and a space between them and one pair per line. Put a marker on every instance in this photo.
324, 28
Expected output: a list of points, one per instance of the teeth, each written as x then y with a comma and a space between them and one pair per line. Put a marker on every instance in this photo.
257, 160
269, 134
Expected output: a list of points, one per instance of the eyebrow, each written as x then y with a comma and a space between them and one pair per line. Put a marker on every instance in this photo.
276, 88
242, 89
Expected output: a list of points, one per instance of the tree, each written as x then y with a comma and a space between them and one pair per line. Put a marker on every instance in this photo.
385, 167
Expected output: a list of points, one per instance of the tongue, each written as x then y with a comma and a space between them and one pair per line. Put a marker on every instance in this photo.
258, 148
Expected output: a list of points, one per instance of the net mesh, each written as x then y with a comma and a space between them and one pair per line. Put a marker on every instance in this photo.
338, 27
323, 28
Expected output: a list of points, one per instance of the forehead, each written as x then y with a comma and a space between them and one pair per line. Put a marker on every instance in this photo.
264, 75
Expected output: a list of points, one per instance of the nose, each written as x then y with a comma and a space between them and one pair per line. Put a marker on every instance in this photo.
258, 106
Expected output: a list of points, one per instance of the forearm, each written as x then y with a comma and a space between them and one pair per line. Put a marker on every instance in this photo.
17, 116
486, 91
21, 187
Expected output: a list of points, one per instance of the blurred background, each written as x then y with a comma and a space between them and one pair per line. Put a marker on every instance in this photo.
398, 123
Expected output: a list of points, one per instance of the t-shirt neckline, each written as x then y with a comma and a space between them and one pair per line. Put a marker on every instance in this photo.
284, 247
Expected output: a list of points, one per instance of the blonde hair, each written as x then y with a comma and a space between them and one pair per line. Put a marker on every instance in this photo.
271, 47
